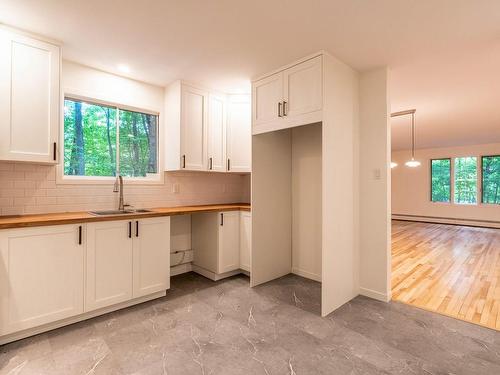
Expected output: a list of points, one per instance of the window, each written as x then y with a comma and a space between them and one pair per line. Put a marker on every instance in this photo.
490, 167
105, 141
441, 180
466, 180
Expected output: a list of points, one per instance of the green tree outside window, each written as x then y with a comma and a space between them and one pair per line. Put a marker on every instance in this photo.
466, 180
91, 141
491, 179
441, 180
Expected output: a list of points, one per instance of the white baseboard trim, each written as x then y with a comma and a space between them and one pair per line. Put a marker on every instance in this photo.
448, 220
384, 297
306, 274
181, 268
74, 319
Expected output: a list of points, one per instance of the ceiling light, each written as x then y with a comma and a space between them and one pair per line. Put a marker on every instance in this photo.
393, 164
123, 68
412, 163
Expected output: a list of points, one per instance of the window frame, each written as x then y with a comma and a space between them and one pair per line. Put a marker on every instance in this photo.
151, 179
481, 180
452, 184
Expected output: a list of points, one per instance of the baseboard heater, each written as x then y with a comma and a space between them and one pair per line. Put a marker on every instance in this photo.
448, 220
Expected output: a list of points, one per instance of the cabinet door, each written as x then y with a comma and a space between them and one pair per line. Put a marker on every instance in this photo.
193, 129
151, 256
109, 263
29, 98
239, 134
216, 133
229, 241
267, 94
41, 276
246, 241
303, 88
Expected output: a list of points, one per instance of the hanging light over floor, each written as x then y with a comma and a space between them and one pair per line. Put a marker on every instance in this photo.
393, 164
412, 163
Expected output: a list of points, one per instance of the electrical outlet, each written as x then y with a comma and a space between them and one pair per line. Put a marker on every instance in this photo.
176, 188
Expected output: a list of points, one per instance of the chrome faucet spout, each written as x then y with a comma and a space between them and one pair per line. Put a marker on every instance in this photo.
118, 188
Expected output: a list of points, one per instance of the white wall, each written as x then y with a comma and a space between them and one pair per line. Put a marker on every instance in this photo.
271, 206
411, 186
306, 201
375, 190
84, 81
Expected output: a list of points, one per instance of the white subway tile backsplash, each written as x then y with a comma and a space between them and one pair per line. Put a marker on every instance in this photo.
32, 189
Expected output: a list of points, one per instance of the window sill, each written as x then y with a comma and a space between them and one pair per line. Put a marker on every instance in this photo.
157, 179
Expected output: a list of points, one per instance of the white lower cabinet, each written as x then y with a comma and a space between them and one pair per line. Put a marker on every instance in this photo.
151, 261
126, 259
229, 241
215, 241
246, 241
109, 263
41, 276
52, 275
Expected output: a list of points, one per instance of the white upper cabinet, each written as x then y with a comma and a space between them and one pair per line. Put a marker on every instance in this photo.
29, 98
291, 97
193, 128
41, 277
206, 132
267, 99
217, 133
239, 134
303, 88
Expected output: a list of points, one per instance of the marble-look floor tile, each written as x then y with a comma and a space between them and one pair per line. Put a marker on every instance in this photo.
226, 327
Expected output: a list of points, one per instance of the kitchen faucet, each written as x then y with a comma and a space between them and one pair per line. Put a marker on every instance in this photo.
119, 188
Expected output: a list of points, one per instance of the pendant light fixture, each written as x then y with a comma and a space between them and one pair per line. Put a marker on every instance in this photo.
412, 163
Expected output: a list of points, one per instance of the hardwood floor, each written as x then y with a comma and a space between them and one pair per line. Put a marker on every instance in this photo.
453, 270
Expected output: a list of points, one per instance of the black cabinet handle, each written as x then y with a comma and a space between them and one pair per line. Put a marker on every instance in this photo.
228, 164
129, 229
221, 219
80, 235
137, 228
279, 109
183, 161
55, 151
211, 164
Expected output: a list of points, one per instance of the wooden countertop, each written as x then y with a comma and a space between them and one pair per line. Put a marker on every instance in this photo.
22, 221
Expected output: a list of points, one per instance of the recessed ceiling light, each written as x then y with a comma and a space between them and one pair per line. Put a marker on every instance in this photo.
123, 68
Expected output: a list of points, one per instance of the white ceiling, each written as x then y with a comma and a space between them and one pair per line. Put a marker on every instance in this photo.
444, 55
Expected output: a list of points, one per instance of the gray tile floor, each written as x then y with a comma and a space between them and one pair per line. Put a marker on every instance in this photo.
202, 327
